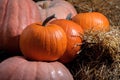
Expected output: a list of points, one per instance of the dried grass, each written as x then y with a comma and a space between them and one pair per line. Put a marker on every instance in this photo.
99, 58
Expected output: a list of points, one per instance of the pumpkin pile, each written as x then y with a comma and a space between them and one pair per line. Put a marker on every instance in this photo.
41, 44
45, 37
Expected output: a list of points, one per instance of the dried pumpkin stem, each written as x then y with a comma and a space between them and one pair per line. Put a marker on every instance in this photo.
69, 16
45, 5
48, 19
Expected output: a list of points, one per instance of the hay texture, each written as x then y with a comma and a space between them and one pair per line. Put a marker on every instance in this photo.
99, 57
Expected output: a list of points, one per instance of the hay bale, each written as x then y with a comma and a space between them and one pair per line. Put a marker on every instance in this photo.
99, 57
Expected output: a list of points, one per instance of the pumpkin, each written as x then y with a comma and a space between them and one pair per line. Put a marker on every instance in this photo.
46, 42
73, 32
41, 0
15, 15
92, 21
60, 8
18, 68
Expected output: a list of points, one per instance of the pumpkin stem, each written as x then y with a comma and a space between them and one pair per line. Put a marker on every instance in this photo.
69, 16
48, 19
45, 5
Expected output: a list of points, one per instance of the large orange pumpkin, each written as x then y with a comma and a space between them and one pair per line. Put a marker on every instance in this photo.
18, 68
43, 42
60, 8
74, 34
15, 15
94, 21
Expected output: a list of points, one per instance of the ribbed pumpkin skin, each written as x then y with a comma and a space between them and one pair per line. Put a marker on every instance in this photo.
94, 21
15, 15
60, 8
18, 68
73, 32
46, 43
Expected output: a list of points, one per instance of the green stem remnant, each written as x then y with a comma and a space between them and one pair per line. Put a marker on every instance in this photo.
48, 19
69, 16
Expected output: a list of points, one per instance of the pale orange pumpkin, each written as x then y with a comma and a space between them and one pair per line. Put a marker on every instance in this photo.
43, 42
60, 8
18, 68
15, 15
94, 21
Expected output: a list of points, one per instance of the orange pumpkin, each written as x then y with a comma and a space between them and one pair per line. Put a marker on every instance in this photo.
73, 32
43, 42
94, 21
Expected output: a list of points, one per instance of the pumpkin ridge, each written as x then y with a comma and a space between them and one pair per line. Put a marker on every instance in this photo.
44, 38
56, 69
31, 11
59, 45
52, 51
11, 31
36, 71
2, 23
8, 11
32, 70
21, 22
53, 67
47, 40
55, 43
63, 71
70, 7
46, 45
18, 18
12, 75
14, 18
15, 68
5, 24
28, 10
49, 69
